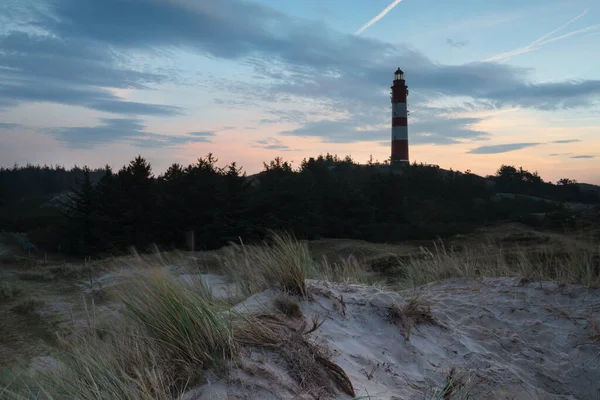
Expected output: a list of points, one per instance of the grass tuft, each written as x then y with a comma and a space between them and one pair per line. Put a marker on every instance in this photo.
179, 319
459, 385
413, 313
284, 262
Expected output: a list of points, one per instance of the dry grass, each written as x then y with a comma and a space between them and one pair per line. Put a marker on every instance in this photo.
284, 263
572, 264
345, 270
168, 333
309, 364
414, 312
180, 320
458, 386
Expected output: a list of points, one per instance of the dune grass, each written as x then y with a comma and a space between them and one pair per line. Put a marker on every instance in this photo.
414, 312
282, 261
572, 264
169, 331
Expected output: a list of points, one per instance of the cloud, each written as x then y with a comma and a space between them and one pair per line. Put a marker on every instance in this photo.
301, 58
570, 155
271, 143
429, 128
302, 62
377, 17
567, 141
501, 148
203, 136
110, 130
44, 68
6, 125
584, 156
458, 45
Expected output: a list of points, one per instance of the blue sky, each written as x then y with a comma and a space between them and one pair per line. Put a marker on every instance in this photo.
491, 82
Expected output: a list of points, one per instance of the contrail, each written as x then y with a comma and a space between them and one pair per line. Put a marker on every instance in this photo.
378, 17
536, 44
560, 28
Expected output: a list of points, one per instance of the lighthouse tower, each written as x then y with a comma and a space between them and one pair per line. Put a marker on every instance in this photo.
399, 120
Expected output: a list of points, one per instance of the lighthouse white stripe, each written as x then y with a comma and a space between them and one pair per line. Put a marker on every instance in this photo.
399, 110
400, 133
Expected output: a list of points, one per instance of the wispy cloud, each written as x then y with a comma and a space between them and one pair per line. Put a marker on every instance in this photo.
202, 136
585, 156
271, 143
378, 17
501, 148
6, 125
543, 40
129, 130
567, 141
504, 148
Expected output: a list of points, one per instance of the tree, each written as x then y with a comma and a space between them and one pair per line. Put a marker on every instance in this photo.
136, 202
81, 211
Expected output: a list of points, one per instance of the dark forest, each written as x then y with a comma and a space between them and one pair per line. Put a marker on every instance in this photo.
91, 212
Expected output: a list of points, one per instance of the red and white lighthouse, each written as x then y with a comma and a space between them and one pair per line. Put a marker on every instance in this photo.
399, 120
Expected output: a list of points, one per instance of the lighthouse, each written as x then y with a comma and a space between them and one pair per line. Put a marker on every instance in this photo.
399, 120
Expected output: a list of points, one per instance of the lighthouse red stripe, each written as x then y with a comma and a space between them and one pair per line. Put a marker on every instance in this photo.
399, 150
399, 121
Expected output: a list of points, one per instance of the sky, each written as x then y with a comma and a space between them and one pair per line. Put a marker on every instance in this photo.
95, 82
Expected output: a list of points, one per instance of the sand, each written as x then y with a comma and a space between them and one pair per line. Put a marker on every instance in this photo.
507, 340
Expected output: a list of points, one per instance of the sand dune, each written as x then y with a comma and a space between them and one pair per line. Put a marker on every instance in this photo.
501, 339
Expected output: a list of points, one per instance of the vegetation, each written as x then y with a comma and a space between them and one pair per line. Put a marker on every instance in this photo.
203, 206
576, 263
411, 314
170, 331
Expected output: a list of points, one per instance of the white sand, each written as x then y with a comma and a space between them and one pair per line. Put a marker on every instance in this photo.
511, 341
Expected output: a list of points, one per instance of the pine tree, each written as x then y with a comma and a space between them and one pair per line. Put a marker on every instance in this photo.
81, 211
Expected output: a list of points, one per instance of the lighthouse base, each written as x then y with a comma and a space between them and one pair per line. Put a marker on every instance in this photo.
400, 152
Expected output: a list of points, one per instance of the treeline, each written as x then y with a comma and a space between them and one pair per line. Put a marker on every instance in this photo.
509, 179
40, 180
108, 211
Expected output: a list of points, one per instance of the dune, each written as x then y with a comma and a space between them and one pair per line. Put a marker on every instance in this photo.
494, 338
